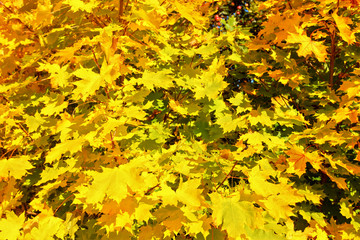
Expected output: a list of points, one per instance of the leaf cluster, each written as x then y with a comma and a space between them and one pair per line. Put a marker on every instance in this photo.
138, 120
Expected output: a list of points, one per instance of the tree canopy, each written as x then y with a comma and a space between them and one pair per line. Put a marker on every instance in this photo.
143, 120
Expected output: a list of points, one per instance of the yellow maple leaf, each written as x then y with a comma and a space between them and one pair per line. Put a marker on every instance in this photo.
320, 233
167, 195
109, 73
351, 87
43, 14
211, 82
156, 4
187, 11
160, 79
259, 184
58, 75
260, 116
10, 227
277, 196
171, 217
90, 82
241, 101
122, 220
228, 123
234, 215
55, 105
307, 45
45, 226
189, 193
278, 206
256, 139
71, 146
77, 5
111, 182
15, 166
115, 183
33, 122
143, 210
342, 24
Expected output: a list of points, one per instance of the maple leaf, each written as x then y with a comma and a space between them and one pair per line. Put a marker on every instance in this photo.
167, 195
342, 24
258, 183
228, 123
241, 101
58, 75
15, 166
33, 122
156, 5
278, 206
234, 215
71, 146
260, 116
46, 226
187, 11
105, 159
321, 234
161, 79
143, 210
44, 14
257, 139
185, 108
128, 178
54, 106
352, 88
171, 217
307, 45
10, 227
149, 232
77, 5
136, 112
340, 182
108, 72
211, 82
279, 196
298, 159
158, 132
53, 173
189, 194
89, 84
104, 185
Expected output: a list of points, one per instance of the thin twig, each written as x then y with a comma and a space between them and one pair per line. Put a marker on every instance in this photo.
6, 153
62, 203
95, 60
121, 9
148, 191
332, 59
23, 129
227, 176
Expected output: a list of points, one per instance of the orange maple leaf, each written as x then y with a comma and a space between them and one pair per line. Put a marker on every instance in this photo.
298, 159
307, 45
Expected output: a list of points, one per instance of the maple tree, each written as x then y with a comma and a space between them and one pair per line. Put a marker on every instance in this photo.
136, 119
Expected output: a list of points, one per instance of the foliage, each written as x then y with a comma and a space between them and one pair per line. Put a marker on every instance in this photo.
125, 119
241, 12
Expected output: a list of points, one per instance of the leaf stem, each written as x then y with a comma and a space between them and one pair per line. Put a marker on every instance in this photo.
63, 203
227, 176
95, 60
24, 130
121, 9
332, 59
